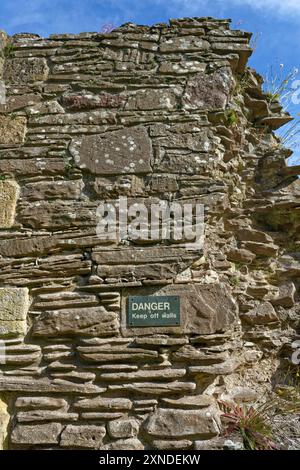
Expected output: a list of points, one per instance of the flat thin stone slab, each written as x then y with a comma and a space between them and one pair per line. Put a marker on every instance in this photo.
192, 401
94, 321
16, 384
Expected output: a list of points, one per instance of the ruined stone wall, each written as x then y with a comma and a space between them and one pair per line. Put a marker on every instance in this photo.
168, 112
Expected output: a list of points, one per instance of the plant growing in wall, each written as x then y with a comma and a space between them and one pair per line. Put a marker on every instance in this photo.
251, 423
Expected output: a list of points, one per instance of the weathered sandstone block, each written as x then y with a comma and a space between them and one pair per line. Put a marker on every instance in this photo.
152, 99
116, 152
208, 91
50, 189
262, 314
183, 423
25, 434
35, 403
286, 295
27, 70
14, 304
95, 321
27, 246
14, 103
9, 193
123, 428
102, 403
12, 130
88, 437
184, 44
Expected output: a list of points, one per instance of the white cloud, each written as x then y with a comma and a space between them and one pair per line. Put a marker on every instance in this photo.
288, 7
284, 8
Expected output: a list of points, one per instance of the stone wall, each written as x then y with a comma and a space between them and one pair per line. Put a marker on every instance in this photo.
163, 112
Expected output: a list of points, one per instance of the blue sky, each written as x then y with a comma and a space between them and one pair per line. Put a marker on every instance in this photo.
276, 23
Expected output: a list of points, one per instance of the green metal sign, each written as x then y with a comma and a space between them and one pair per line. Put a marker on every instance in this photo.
153, 311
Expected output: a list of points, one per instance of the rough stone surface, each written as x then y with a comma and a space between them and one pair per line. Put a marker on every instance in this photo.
14, 305
123, 428
36, 434
27, 70
208, 90
86, 322
168, 112
263, 313
182, 423
86, 437
117, 152
104, 404
9, 192
12, 130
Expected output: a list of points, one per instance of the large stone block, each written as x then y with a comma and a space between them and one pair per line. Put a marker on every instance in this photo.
36, 434
118, 152
15, 102
45, 190
25, 70
184, 44
14, 305
18, 247
57, 214
123, 428
86, 436
12, 328
9, 193
152, 99
12, 130
208, 91
124, 185
94, 321
204, 308
261, 314
167, 422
